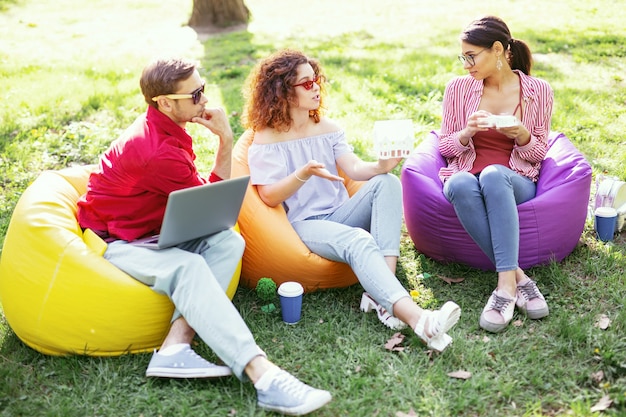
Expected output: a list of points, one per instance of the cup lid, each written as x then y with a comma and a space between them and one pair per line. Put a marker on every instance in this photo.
606, 212
290, 289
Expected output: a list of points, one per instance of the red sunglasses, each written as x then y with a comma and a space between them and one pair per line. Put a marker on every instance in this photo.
309, 84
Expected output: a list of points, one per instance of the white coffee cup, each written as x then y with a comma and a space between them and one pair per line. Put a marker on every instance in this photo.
290, 294
605, 221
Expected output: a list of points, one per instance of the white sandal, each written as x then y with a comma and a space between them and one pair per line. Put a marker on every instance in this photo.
439, 322
368, 304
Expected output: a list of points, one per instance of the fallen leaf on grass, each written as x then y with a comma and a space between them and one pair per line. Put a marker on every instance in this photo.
603, 322
460, 374
393, 344
597, 377
452, 280
403, 414
604, 403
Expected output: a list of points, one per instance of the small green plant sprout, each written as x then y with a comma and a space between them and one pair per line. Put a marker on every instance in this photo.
266, 291
425, 266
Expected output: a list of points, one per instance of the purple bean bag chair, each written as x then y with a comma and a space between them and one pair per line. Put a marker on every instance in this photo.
551, 223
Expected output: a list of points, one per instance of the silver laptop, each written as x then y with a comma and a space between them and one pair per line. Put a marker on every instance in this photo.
198, 211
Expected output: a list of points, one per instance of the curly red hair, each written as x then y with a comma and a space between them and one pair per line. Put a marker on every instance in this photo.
269, 91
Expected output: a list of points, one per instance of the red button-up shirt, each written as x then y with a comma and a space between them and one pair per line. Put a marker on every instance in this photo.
126, 196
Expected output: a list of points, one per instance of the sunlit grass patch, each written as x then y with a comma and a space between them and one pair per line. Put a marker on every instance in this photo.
69, 84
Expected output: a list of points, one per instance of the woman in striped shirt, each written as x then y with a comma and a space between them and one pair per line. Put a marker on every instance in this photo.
493, 162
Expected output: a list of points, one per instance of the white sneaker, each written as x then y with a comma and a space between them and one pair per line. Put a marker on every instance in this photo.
278, 390
530, 300
184, 364
498, 312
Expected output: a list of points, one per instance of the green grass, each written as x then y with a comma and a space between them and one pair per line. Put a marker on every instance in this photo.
68, 83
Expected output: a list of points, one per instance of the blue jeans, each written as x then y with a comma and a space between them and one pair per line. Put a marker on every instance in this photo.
361, 232
195, 276
487, 208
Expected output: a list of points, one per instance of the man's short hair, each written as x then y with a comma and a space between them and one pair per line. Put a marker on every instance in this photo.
162, 76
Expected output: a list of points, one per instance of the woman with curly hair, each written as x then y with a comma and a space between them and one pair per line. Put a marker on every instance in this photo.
293, 161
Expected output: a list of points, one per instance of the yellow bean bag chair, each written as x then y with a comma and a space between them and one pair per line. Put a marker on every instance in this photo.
273, 248
59, 295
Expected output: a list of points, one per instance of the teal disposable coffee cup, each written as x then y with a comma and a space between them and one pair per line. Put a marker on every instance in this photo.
290, 294
605, 221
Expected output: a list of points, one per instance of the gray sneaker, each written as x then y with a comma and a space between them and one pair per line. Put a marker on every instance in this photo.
184, 364
288, 395
531, 301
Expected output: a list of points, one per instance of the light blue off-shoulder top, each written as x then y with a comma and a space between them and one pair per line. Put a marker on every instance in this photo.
272, 162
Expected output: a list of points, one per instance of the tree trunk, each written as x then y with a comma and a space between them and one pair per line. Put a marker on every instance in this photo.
218, 14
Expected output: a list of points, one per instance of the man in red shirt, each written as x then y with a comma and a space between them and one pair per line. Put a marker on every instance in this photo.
126, 199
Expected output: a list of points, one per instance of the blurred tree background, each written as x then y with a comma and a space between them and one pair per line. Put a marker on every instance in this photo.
211, 15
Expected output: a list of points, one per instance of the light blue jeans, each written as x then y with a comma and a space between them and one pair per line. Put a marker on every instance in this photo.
487, 208
361, 232
195, 276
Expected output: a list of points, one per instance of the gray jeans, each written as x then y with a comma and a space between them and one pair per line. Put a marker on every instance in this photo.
361, 233
195, 276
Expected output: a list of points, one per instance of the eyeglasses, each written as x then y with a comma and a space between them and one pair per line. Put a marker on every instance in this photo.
471, 58
309, 84
195, 95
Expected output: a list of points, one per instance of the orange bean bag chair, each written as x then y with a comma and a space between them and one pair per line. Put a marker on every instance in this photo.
273, 248
59, 295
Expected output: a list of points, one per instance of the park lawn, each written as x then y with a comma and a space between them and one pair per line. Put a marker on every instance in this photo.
69, 86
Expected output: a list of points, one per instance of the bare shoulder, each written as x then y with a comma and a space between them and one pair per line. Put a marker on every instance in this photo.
327, 125
269, 135
266, 135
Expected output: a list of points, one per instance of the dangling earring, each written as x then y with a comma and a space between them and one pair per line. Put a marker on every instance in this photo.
499, 64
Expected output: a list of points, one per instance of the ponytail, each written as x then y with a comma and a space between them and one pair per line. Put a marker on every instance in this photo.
520, 57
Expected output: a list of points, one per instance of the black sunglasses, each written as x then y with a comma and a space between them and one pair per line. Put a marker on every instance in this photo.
195, 95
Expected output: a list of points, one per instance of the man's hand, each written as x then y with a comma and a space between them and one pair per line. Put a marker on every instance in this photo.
216, 121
